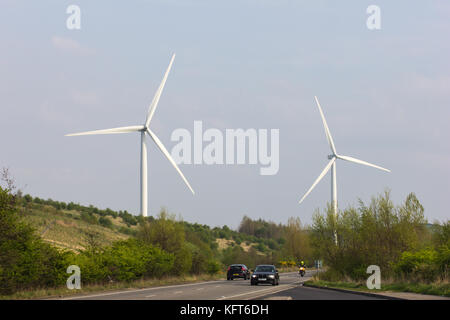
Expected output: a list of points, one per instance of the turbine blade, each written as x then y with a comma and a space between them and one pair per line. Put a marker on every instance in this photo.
108, 131
327, 130
168, 156
322, 174
362, 162
153, 105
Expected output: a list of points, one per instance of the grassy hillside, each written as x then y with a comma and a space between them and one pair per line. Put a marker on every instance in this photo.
74, 226
69, 229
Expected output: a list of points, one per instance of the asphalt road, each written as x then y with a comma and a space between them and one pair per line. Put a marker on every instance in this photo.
308, 293
238, 289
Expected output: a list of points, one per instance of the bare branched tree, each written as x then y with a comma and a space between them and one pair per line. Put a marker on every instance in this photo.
7, 180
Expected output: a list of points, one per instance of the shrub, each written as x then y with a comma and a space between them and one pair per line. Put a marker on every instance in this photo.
105, 222
125, 260
199, 259
25, 260
92, 266
28, 198
420, 265
128, 231
213, 267
261, 247
128, 218
183, 260
89, 218
443, 261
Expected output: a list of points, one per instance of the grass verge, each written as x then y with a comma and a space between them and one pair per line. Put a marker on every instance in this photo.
437, 289
48, 293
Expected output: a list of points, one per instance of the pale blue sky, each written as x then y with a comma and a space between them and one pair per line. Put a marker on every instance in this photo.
240, 64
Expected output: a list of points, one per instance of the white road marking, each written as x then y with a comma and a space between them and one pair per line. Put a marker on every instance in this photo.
273, 292
152, 295
177, 292
262, 292
141, 290
200, 289
152, 288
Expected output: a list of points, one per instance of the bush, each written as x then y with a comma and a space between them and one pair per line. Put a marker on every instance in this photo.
443, 261
25, 260
125, 260
128, 218
213, 267
28, 198
261, 247
199, 259
105, 222
331, 275
128, 231
420, 265
183, 260
92, 266
89, 218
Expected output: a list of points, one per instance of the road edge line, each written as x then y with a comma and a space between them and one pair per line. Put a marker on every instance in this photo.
363, 293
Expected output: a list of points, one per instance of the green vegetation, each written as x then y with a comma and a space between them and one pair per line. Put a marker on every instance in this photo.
437, 288
48, 292
397, 239
25, 260
40, 238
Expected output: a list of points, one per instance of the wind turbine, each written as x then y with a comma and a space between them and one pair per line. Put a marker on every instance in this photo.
332, 165
144, 129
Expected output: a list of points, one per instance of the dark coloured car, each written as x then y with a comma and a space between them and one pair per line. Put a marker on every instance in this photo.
238, 271
265, 273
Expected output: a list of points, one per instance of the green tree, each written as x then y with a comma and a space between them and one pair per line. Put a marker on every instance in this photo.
25, 260
297, 245
168, 234
377, 233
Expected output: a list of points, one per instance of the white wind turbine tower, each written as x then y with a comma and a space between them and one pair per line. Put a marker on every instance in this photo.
144, 129
332, 165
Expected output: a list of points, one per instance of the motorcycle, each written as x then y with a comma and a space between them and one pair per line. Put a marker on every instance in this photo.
302, 271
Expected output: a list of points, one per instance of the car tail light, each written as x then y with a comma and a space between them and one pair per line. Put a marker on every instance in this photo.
229, 268
243, 269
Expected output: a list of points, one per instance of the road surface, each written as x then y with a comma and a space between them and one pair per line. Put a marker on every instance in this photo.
289, 288
308, 293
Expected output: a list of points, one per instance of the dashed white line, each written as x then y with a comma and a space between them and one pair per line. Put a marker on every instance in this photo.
260, 292
152, 295
139, 290
127, 292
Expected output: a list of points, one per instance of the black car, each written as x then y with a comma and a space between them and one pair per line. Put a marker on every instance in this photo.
265, 273
238, 271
